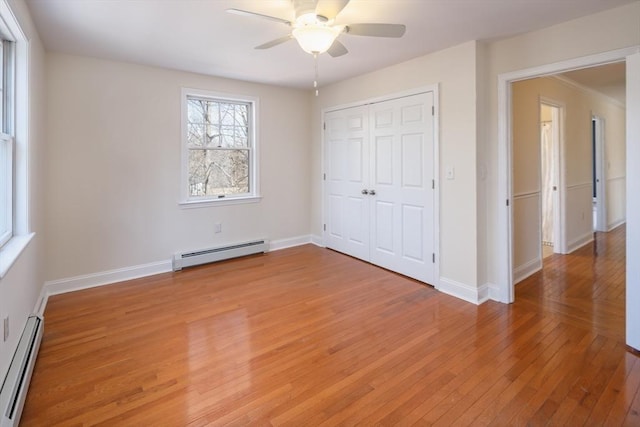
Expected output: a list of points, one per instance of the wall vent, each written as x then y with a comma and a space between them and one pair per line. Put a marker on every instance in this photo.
14, 388
205, 256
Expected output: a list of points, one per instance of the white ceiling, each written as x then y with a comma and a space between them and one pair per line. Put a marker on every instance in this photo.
199, 36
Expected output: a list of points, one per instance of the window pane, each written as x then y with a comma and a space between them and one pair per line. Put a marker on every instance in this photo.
195, 134
232, 137
241, 137
212, 109
241, 115
195, 111
218, 172
214, 138
227, 114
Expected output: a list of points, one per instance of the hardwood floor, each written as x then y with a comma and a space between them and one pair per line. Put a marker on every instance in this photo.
306, 336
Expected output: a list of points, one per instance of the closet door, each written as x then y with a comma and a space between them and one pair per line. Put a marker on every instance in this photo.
379, 200
347, 174
401, 162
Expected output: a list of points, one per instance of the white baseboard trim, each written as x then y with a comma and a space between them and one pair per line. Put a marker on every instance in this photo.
483, 293
86, 281
317, 240
616, 224
276, 245
525, 270
463, 291
61, 286
580, 242
494, 292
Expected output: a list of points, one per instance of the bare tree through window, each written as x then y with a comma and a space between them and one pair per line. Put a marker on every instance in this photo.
218, 143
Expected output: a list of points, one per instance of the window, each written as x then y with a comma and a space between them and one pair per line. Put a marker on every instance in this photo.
15, 233
219, 149
7, 162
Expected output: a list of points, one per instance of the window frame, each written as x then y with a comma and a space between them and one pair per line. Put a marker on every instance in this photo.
7, 131
187, 201
19, 120
7, 181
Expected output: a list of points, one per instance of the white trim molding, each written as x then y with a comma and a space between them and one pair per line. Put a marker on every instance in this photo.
317, 240
616, 224
494, 291
291, 242
576, 244
55, 287
472, 294
10, 252
527, 269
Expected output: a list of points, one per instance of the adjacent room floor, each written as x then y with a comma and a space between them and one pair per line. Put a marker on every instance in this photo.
307, 336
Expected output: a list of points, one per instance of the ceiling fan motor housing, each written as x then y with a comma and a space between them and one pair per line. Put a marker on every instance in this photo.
304, 7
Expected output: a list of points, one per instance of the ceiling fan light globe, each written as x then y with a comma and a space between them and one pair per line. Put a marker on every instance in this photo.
315, 38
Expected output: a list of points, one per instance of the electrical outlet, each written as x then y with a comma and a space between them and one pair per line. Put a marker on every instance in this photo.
5, 328
217, 228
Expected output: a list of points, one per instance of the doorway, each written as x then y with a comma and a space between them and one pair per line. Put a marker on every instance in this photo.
505, 291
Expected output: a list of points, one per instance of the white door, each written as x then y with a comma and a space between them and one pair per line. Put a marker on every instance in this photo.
401, 176
347, 175
384, 150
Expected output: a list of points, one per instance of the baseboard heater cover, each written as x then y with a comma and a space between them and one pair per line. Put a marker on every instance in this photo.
15, 385
205, 256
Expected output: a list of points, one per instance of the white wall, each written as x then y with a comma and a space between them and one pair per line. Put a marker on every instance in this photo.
616, 166
20, 288
601, 32
113, 178
454, 70
482, 138
579, 106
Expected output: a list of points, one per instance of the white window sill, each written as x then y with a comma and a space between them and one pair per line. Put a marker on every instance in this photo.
11, 251
191, 204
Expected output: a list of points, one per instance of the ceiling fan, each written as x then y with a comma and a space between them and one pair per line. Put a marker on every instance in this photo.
315, 30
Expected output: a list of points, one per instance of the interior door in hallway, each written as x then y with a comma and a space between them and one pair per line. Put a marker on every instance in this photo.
379, 186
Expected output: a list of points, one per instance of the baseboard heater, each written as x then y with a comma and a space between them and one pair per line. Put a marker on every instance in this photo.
14, 388
205, 256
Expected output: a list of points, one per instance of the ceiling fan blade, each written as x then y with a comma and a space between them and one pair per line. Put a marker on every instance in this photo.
258, 15
275, 42
376, 30
330, 8
337, 49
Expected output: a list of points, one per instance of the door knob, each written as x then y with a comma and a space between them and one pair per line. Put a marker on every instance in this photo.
372, 192
365, 191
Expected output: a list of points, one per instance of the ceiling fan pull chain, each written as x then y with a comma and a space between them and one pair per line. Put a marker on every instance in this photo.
315, 81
